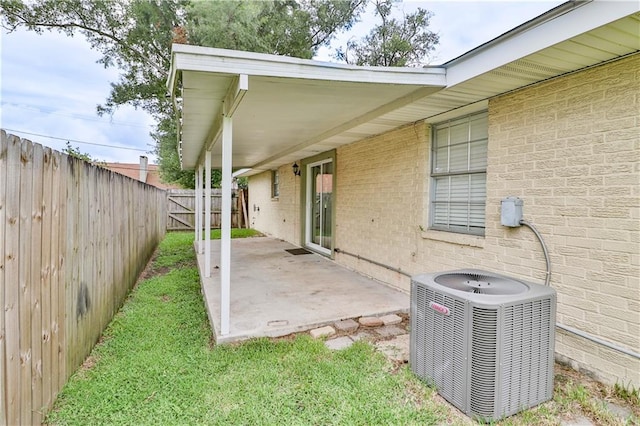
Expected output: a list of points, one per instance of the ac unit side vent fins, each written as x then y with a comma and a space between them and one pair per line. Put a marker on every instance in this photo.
489, 354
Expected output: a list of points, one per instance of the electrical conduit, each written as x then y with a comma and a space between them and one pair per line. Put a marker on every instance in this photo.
568, 329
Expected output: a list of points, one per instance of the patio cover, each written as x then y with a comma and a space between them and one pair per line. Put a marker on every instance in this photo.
283, 109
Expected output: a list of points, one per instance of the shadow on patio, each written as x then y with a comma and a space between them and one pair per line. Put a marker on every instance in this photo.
274, 293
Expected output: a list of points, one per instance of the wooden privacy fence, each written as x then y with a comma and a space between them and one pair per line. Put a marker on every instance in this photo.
181, 204
73, 239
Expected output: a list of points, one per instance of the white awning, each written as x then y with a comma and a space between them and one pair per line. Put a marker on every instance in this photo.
294, 108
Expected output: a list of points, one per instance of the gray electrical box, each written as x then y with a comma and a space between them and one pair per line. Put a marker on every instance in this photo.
511, 212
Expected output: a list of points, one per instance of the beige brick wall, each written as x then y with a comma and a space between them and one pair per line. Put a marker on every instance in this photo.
380, 196
382, 202
278, 217
569, 148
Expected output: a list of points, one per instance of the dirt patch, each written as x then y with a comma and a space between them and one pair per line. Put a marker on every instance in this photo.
151, 270
596, 395
148, 270
87, 365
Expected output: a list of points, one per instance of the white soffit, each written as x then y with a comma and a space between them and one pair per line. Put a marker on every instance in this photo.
561, 28
606, 42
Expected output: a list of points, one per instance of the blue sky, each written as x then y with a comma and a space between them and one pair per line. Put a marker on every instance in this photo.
51, 84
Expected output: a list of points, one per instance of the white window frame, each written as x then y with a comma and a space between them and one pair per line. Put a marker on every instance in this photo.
458, 194
275, 184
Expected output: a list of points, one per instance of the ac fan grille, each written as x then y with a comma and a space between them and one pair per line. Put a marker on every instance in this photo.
491, 285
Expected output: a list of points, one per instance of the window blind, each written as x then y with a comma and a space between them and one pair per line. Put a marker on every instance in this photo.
459, 174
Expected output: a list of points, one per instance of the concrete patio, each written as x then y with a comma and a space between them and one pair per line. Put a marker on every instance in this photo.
275, 293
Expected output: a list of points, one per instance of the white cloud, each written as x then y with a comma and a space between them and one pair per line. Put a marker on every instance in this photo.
51, 85
462, 25
466, 25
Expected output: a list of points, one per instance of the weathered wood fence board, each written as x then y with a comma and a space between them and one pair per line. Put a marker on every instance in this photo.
3, 197
181, 204
74, 237
11, 288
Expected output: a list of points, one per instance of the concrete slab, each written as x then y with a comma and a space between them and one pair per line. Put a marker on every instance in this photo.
325, 331
396, 349
622, 413
275, 293
347, 326
578, 421
339, 343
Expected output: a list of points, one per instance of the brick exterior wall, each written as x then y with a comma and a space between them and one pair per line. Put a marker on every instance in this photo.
380, 200
277, 217
569, 148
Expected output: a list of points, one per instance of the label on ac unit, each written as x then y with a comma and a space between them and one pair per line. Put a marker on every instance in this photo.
439, 308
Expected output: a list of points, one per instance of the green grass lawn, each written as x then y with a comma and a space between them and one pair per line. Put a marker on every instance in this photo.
156, 364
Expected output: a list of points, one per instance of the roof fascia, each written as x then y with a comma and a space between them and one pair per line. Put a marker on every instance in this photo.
568, 20
172, 78
206, 59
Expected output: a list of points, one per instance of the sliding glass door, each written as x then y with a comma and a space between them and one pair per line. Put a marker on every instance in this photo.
319, 209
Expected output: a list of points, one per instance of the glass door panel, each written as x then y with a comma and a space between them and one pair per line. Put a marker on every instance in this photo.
320, 205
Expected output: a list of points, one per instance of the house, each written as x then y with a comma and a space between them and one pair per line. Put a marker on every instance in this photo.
402, 171
144, 172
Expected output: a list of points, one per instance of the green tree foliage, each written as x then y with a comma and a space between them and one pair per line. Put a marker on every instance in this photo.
166, 150
287, 27
75, 152
136, 36
133, 35
393, 42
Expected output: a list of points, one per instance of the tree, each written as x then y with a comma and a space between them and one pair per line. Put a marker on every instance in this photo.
136, 37
282, 27
75, 152
133, 35
393, 43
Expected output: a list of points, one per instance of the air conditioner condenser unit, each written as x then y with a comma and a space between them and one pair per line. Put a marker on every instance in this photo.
486, 341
